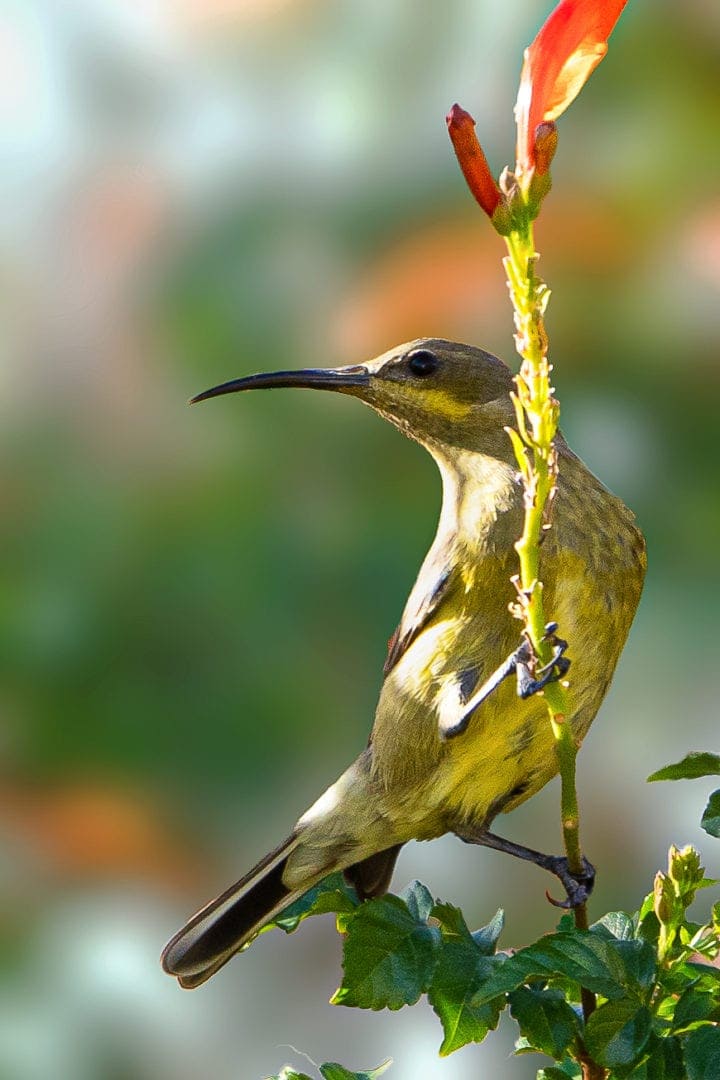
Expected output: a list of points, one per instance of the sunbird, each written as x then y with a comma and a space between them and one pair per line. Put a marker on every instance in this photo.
453, 744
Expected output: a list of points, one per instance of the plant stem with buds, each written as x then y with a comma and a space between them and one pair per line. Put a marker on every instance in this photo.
537, 414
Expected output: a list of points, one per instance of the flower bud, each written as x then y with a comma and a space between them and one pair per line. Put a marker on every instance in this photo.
663, 898
472, 160
546, 140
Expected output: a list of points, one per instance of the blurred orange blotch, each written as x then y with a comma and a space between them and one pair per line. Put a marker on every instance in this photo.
581, 232
441, 281
117, 217
701, 245
87, 830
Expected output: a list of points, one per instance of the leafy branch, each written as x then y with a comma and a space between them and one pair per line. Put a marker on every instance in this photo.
651, 971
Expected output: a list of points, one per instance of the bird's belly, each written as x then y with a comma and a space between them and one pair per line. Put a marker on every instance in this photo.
507, 752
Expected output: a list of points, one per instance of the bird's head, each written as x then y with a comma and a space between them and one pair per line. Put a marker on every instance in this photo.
438, 392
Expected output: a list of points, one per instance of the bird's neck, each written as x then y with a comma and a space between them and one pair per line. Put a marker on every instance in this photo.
480, 491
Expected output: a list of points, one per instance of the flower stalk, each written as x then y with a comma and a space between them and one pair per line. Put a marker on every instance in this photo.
563, 55
537, 413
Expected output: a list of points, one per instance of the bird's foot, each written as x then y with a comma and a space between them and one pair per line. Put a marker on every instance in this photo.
556, 668
577, 886
522, 662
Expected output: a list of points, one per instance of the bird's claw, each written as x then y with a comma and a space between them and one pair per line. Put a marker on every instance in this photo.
556, 668
578, 887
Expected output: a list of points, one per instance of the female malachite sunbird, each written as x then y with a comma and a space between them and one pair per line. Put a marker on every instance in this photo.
452, 744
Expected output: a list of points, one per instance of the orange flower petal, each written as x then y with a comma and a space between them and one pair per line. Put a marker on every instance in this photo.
567, 49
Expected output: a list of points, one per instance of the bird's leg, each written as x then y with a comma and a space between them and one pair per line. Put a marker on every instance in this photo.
520, 662
577, 886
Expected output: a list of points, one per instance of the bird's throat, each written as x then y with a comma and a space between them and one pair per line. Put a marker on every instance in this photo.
481, 495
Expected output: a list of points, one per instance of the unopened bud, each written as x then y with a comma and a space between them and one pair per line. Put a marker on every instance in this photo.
685, 871
472, 160
546, 140
663, 898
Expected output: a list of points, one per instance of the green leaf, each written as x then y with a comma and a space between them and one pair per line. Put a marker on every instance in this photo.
616, 924
418, 899
690, 768
460, 972
640, 964
331, 894
288, 1073
553, 1073
664, 1062
486, 937
695, 1005
579, 955
452, 923
701, 1052
389, 956
332, 1071
617, 1032
707, 976
453, 926
545, 1019
710, 820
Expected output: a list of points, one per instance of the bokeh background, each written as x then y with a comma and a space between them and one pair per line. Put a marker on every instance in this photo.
194, 604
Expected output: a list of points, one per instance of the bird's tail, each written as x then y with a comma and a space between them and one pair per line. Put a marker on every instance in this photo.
219, 930
345, 829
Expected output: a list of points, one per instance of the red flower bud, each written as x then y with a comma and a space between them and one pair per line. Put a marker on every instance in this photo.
472, 160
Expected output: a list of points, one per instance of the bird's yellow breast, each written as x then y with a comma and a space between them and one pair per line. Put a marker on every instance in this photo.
592, 568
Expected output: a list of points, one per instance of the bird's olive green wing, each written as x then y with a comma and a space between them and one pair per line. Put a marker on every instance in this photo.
416, 617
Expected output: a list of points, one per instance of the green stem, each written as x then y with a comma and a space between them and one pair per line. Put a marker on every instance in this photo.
537, 415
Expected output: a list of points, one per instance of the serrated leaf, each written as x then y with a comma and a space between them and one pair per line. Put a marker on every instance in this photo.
710, 820
701, 1053
452, 922
461, 970
418, 900
695, 1005
617, 1032
545, 1019
581, 956
389, 956
332, 894
332, 1071
691, 767
616, 924
486, 938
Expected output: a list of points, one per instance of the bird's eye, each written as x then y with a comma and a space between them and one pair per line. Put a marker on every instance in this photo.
422, 362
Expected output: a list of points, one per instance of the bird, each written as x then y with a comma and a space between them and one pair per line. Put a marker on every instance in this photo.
452, 744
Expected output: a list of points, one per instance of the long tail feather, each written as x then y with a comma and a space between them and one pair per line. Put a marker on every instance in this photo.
213, 935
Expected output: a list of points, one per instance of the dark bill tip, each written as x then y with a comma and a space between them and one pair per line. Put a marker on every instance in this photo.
311, 378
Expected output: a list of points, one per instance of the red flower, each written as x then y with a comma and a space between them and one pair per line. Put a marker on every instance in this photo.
561, 59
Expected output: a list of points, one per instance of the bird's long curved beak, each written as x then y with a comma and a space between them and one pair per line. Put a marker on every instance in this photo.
343, 379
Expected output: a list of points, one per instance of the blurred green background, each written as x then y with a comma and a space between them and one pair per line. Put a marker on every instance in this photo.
195, 603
